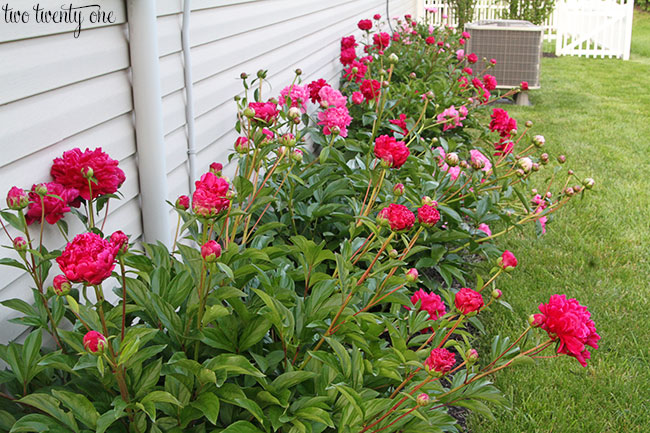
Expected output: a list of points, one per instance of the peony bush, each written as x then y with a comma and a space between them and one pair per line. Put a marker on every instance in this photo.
334, 282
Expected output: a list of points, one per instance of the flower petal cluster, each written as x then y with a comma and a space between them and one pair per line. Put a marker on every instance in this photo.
476, 157
507, 261
209, 198
399, 217
88, 259
314, 88
440, 360
502, 123
364, 25
210, 251
540, 206
394, 152
401, 123
570, 323
381, 41
429, 302
490, 82
53, 206
297, 95
330, 97
338, 117
467, 300
370, 89
265, 112
452, 117
428, 216
72, 169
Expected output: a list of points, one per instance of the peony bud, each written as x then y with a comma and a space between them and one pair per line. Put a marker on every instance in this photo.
452, 159
544, 158
17, 198
529, 124
183, 203
88, 173
413, 75
569, 192
393, 58
589, 183
577, 188
535, 320
539, 140
520, 173
296, 155
412, 275
496, 293
561, 159
298, 71
398, 190
463, 164
377, 17
570, 172
428, 201
210, 251
243, 75
41, 189
493, 61
61, 285
393, 253
120, 241
249, 112
216, 168
261, 73
472, 356
430, 94
241, 145
94, 342
526, 164
294, 112
478, 164
507, 261
422, 399
20, 244
535, 166
334, 130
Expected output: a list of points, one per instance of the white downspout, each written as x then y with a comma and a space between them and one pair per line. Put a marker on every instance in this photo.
189, 95
147, 104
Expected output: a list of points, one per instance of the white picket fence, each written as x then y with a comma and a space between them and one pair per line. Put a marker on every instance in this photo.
591, 28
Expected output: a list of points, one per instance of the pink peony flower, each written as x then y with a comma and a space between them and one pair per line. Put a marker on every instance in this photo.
94, 342
357, 98
485, 229
314, 88
428, 216
476, 157
507, 261
297, 95
392, 151
370, 89
570, 323
452, 118
398, 216
209, 198
88, 259
364, 25
440, 360
467, 300
338, 117
493, 61
54, 207
460, 55
330, 97
429, 302
466, 35
17, 198
211, 251
72, 169
265, 112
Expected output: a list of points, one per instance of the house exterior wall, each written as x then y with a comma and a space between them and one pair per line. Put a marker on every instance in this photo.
58, 92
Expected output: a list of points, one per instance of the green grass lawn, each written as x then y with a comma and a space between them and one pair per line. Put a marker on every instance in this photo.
597, 112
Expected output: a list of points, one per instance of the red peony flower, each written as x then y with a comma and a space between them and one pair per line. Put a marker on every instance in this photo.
570, 323
17, 198
265, 112
356, 71
370, 89
381, 41
430, 40
393, 152
429, 302
61, 285
348, 55
357, 98
211, 251
365, 25
183, 202
55, 207
72, 169
428, 216
466, 35
524, 85
490, 82
376, 17
398, 216
209, 198
502, 123
401, 123
348, 42
440, 360
88, 259
314, 87
503, 147
507, 261
215, 168
94, 342
472, 58
468, 300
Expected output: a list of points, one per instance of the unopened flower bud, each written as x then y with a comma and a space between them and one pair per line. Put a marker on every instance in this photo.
261, 73
237, 98
384, 84
413, 75
535, 320
393, 253
570, 172
577, 188
334, 130
520, 172
561, 159
472, 356
549, 195
496, 293
513, 131
294, 112
463, 164
478, 164
182, 202
88, 173
539, 140
297, 155
398, 190
230, 195
526, 164
243, 75
216, 168
412, 275
94, 342
249, 112
210, 251
422, 399
544, 158
61, 285
17, 198
41, 189
569, 192
298, 71
430, 94
589, 183
393, 58
355, 70
241, 145
452, 159
382, 72
535, 166
529, 124
20, 244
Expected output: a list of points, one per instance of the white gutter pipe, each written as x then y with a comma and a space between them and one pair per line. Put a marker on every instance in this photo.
189, 94
147, 104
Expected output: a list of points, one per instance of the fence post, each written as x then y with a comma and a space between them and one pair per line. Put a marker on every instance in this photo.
419, 9
629, 17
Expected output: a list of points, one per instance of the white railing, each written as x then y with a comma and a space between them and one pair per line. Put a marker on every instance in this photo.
441, 13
